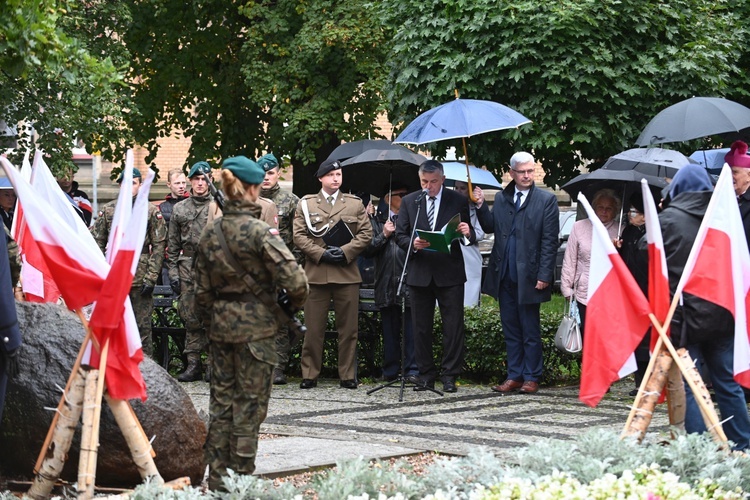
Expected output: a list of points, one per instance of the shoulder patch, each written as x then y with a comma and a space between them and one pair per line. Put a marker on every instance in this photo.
273, 231
101, 212
159, 215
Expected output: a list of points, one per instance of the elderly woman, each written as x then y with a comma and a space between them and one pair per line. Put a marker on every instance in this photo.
577, 261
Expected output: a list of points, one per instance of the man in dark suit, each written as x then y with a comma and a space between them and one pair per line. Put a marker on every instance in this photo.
526, 223
435, 276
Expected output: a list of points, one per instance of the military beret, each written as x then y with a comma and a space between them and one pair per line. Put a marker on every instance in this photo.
326, 167
199, 168
267, 162
136, 175
245, 169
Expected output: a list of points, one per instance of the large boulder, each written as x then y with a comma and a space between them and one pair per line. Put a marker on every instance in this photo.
52, 336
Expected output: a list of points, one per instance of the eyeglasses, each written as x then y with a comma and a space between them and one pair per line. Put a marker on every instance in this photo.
524, 172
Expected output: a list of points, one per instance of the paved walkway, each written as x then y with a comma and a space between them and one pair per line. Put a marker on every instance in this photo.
322, 425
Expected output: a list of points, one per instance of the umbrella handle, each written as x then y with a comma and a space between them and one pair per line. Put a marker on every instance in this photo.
468, 174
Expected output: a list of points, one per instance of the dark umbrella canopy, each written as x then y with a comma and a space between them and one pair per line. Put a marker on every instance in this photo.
694, 118
351, 149
374, 170
651, 161
623, 182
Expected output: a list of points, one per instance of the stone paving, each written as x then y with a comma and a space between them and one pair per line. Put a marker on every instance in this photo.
319, 426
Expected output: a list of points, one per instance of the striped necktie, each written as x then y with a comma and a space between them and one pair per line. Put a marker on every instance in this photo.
330, 199
431, 213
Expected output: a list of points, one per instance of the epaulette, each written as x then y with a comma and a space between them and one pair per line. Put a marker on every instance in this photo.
310, 196
352, 196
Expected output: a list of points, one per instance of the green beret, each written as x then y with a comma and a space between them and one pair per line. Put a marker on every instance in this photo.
326, 167
200, 168
245, 169
136, 175
267, 162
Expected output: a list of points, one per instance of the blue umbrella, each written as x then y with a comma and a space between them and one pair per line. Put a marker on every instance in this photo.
459, 119
712, 159
455, 171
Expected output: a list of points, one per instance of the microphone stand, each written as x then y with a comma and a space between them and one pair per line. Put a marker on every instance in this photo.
401, 379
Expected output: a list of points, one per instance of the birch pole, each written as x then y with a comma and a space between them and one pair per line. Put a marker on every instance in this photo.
140, 447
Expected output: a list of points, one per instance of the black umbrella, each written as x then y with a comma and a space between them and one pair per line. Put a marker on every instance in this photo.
694, 118
375, 170
625, 182
651, 161
351, 149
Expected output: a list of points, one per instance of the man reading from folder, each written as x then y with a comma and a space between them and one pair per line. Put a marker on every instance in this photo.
331, 229
435, 276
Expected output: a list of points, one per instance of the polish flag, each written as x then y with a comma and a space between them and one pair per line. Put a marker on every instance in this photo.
658, 279
718, 267
126, 237
616, 316
77, 269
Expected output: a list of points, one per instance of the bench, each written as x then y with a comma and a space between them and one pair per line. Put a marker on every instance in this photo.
368, 336
161, 331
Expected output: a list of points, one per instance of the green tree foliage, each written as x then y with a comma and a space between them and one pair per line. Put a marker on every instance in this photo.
50, 79
589, 73
286, 76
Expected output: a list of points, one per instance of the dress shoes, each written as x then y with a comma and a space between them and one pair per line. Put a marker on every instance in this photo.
508, 386
308, 383
413, 379
529, 387
348, 384
449, 385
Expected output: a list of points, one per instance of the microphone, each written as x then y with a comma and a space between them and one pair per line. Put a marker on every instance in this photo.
421, 196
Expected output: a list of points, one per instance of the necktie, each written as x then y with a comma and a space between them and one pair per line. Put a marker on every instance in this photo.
330, 199
394, 218
431, 212
518, 201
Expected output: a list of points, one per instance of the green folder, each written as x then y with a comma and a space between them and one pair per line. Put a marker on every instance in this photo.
440, 241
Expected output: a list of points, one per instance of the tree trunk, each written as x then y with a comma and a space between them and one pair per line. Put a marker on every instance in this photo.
676, 398
89, 443
644, 405
62, 437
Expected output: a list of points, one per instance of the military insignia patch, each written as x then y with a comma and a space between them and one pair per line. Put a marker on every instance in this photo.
101, 212
158, 215
273, 231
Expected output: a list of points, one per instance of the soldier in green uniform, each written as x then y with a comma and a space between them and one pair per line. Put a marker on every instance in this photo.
286, 203
241, 327
188, 219
149, 264
331, 271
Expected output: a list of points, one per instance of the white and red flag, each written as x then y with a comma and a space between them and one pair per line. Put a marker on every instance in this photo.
77, 269
126, 237
616, 316
658, 277
718, 267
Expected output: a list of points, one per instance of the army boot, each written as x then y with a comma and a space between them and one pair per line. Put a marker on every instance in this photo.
278, 377
193, 370
207, 375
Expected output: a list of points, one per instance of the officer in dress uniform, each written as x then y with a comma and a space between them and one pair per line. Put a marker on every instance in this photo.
149, 264
188, 218
331, 271
241, 325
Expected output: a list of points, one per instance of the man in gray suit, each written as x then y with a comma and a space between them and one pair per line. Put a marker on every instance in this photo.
525, 220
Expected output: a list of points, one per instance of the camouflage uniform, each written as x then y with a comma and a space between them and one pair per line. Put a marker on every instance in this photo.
149, 264
188, 218
241, 329
286, 203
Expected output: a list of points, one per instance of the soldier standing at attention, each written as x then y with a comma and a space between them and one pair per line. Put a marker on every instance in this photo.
331, 271
286, 204
149, 264
189, 217
241, 327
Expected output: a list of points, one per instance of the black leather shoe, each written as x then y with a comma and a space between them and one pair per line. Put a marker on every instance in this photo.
423, 385
413, 379
348, 384
308, 383
449, 385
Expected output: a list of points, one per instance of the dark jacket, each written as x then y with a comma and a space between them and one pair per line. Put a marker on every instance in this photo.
744, 201
389, 260
697, 320
167, 206
537, 229
633, 257
429, 267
